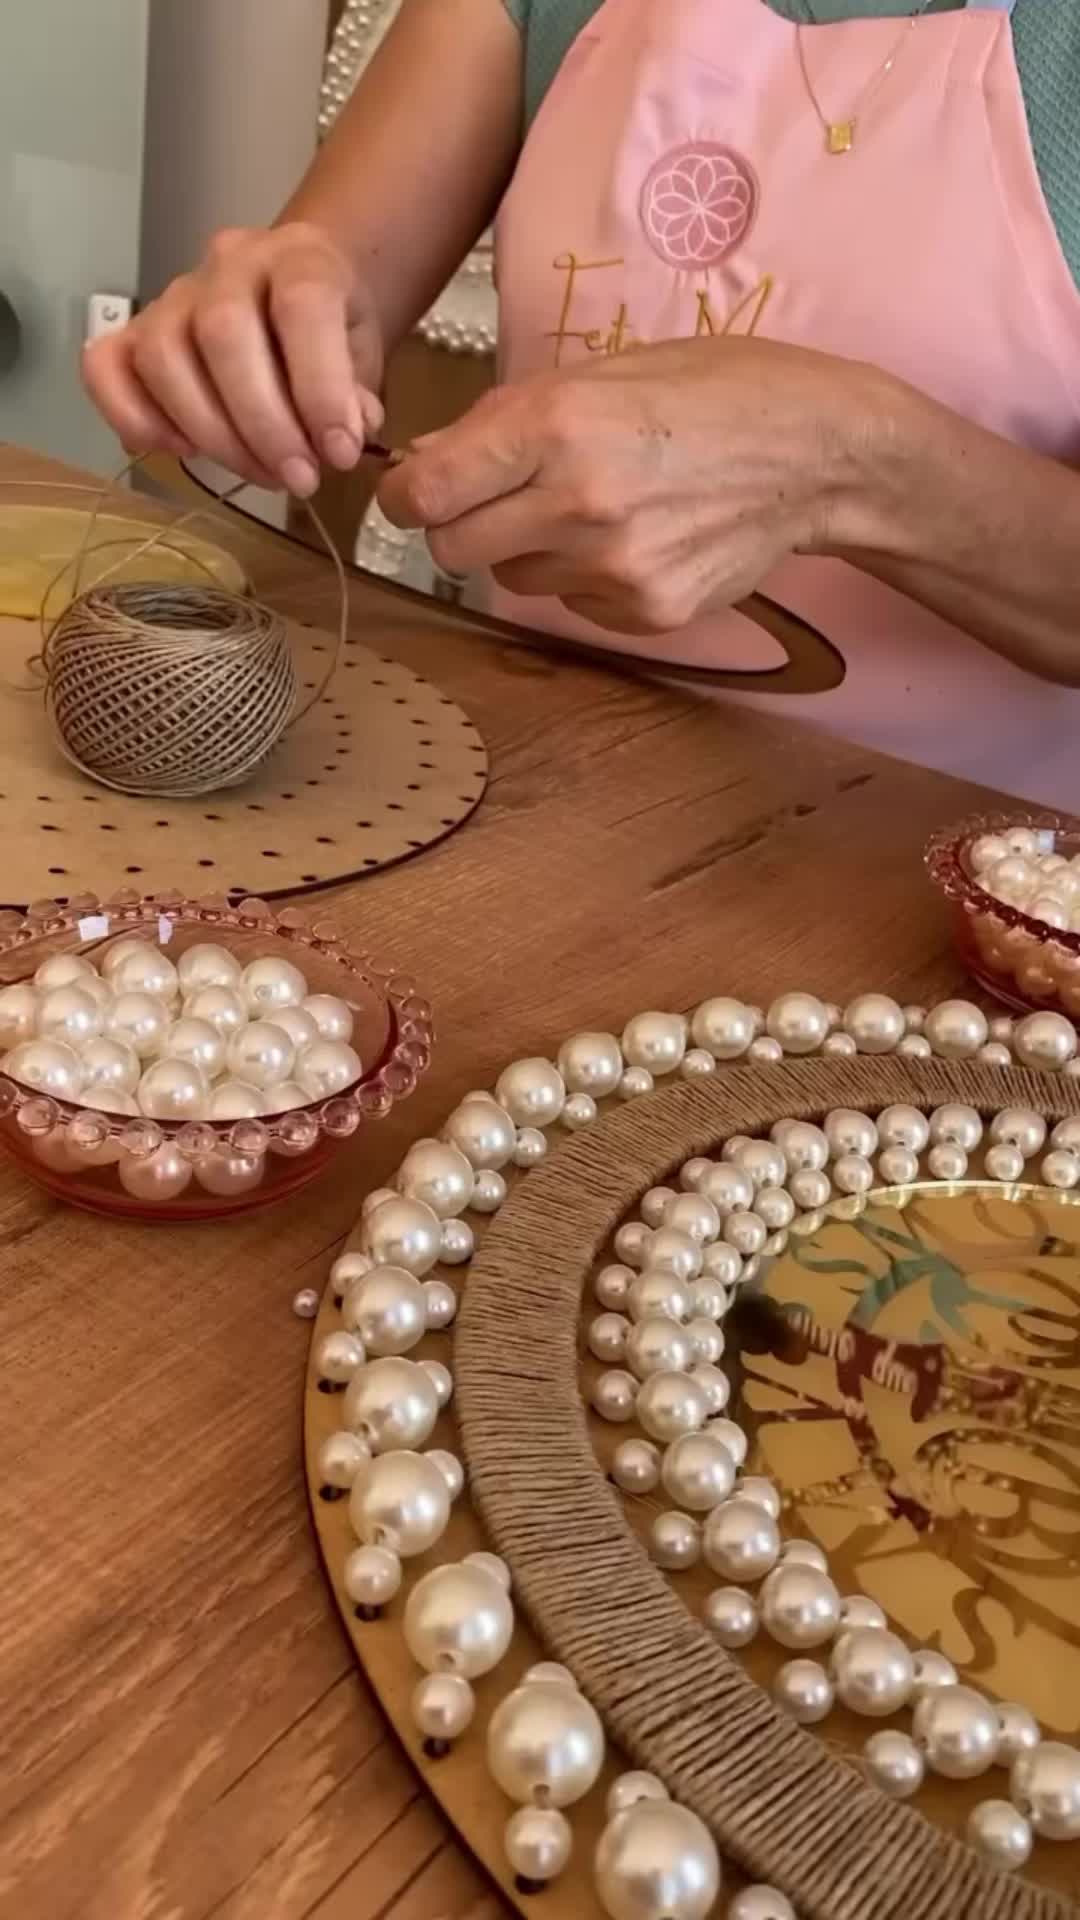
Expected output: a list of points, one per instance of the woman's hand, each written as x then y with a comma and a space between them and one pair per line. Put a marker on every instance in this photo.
268, 358
643, 489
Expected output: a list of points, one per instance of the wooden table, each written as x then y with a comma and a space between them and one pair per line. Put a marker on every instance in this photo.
183, 1732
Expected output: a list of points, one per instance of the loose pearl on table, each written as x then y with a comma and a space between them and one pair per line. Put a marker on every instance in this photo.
741, 1541
657, 1861
403, 1233
614, 1395
48, 1066
173, 1090
1005, 1163
714, 1384
146, 969
803, 1689
489, 1192
723, 1028
897, 1167
947, 1162
545, 1742
1045, 1041
1045, 1786
371, 1576
873, 1671
391, 1403
956, 1029
305, 1303
636, 1466
1061, 1170
760, 1902
458, 1619
612, 1286
456, 1243
1018, 1732
66, 970
338, 1356
875, 1022
442, 1706
727, 1187
401, 1502
261, 1054
903, 1126
858, 1610
698, 1472
324, 1069
675, 1541
732, 1436
331, 1014
670, 1404
955, 1125
692, 1214
139, 1020
850, 1132
441, 1379
631, 1787
538, 1842
957, 1730
220, 1007
197, 1042
591, 1063
655, 1041
163, 1176
731, 1616
207, 965
440, 1304
235, 1100
341, 1458
227, 1173
798, 1022
635, 1082
932, 1670
800, 1606
71, 1015
530, 1147
270, 983
18, 1013
532, 1091
746, 1232
388, 1310
894, 1764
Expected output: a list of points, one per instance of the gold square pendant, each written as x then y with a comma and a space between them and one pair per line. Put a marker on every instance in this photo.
840, 136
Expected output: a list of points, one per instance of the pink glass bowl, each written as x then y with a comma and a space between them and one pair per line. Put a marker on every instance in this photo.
206, 1170
1023, 962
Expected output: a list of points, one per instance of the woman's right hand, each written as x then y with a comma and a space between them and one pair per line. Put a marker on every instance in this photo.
268, 359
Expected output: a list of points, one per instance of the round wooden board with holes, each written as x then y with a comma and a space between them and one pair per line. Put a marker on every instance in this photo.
384, 766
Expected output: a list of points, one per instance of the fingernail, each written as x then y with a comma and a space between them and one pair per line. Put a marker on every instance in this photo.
341, 447
300, 476
372, 412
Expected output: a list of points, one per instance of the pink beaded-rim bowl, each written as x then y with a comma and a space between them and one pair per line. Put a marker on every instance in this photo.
1024, 962
74, 1150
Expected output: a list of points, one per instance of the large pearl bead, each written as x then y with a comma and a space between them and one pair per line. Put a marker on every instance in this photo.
956, 1125
220, 1007
810, 1189
532, 1091
903, 1127
371, 1576
858, 1610
173, 1090
270, 983
741, 1541
1045, 1041
804, 1689
164, 1175
236, 1100
714, 1384
658, 1294
538, 1842
746, 1232
763, 1493
631, 1787
731, 1616
591, 1063
800, 1606
67, 970
71, 1015
875, 1023
850, 1132
931, 1670
727, 1187
49, 1067
636, 1466
957, 1730
669, 1251
692, 1214
873, 1672
439, 1176
226, 1173
764, 1163
614, 1395
261, 1054
698, 1472
442, 1706
197, 1043
206, 965
894, 1763
484, 1133
324, 1069
675, 1541
723, 1028
658, 1345
545, 1742
403, 1233
657, 1861
391, 1403
707, 1341
799, 1022
332, 1015
732, 1436
18, 1013
1000, 1835
1018, 1732
655, 1041
709, 1298
1020, 1127
956, 1030
1045, 1786
671, 1404
458, 1619
299, 1026
388, 1310
402, 1502
145, 969
760, 1903
341, 1458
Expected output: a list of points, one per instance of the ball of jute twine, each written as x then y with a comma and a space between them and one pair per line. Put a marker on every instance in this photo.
171, 690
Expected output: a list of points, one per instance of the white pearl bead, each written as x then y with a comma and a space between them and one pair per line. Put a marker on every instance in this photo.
607, 1337
707, 1341
140, 1021
999, 1835
458, 1619
456, 1243
299, 1026
48, 1067
810, 1189
440, 1305
803, 1689
722, 1264
698, 1472
591, 1063
18, 1013
629, 1788
1061, 1170
873, 1671
731, 1616
932, 1670
956, 1126
612, 1286
270, 983
915, 1046
197, 1043
853, 1174
760, 1902
338, 1356
669, 1251
657, 1861
994, 1054
1018, 1732
726, 1187
875, 1022
766, 1051
305, 1303
221, 1008
501, 1571
71, 1015
532, 1092
755, 1487
438, 1175
441, 1379
635, 1082
371, 1576
654, 1203
636, 1466
579, 1112
655, 1041
390, 1403
957, 1730
894, 1764
1046, 1041
714, 1384
897, 1167
776, 1207
858, 1610
692, 1172
401, 1502
68, 970
235, 1100
486, 1135
741, 1541
545, 1741
261, 1054
696, 1064
173, 1090
746, 1232
798, 1021
489, 1192
1019, 1127
709, 1298
387, 1309
732, 1436
763, 1162
206, 965
947, 1162
537, 1842
850, 1132
724, 1028
145, 969
163, 1176
340, 1459
1005, 1163
690, 1213
632, 1242
403, 1233
614, 1395
805, 1147
324, 1069
1045, 1786
840, 1046
331, 1014
956, 1029
904, 1127
675, 1541
800, 1606
442, 1706
670, 1404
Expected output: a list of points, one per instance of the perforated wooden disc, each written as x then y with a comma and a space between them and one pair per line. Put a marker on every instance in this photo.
382, 767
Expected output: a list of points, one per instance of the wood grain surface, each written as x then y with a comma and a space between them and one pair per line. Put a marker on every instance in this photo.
183, 1733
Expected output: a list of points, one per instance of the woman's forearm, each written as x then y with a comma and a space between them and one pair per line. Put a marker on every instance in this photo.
984, 532
420, 156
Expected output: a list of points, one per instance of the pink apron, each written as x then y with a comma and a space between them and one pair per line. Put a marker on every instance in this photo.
676, 181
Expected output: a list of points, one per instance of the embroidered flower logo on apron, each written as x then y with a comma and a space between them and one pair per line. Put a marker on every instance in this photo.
698, 205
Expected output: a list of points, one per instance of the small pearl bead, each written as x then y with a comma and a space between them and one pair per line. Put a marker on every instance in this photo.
612, 1287
456, 1243
894, 1764
1061, 1170
858, 1610
1005, 1163
629, 1788
305, 1303
853, 1174
947, 1162
654, 1204
898, 1166
766, 1051
1000, 1835
636, 1466
1018, 1732
675, 1541
760, 1902
804, 1689
932, 1670
614, 1394
915, 1046
731, 1616
957, 1126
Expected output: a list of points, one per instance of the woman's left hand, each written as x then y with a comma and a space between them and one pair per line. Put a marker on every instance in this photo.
643, 489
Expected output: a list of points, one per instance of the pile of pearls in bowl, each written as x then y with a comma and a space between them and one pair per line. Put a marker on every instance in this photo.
1014, 886
1019, 869
206, 1038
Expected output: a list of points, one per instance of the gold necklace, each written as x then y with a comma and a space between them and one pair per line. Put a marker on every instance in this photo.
840, 134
